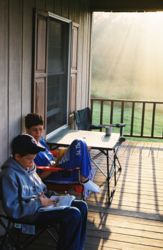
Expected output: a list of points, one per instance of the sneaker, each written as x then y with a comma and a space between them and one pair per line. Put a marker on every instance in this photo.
91, 186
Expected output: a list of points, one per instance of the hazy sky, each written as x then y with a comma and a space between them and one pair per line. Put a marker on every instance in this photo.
127, 55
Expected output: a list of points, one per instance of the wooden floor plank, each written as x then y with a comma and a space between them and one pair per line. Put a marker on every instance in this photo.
134, 221
124, 230
101, 244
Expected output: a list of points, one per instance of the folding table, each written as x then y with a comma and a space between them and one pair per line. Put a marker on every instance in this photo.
95, 140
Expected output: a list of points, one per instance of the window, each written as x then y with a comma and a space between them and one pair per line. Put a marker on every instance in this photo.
58, 74
52, 69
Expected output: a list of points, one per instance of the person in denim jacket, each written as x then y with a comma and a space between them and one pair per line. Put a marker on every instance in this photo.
24, 193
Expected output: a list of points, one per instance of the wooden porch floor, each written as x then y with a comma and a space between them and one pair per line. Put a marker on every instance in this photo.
134, 220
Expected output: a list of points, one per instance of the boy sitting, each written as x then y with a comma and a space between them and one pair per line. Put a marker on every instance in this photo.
24, 194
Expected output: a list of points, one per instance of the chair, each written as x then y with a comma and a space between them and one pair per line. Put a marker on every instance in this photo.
63, 180
83, 119
14, 238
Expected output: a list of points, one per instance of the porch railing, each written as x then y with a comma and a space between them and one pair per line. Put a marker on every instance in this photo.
143, 118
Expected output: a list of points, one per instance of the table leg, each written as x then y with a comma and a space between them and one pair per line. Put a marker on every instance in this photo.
114, 167
108, 176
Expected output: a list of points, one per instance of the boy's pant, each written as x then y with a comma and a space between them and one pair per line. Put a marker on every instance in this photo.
72, 221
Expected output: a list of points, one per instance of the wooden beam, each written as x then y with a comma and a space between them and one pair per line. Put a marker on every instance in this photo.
126, 5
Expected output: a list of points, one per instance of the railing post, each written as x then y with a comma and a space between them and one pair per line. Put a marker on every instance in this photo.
101, 112
122, 116
153, 119
111, 111
132, 118
142, 120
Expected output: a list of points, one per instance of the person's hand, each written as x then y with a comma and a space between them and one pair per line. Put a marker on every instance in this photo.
46, 201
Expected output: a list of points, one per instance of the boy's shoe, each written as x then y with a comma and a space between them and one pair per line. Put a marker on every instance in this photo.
91, 186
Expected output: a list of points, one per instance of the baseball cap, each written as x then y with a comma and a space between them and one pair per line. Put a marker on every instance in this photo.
25, 144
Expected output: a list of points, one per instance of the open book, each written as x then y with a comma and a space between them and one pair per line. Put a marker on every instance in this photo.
62, 201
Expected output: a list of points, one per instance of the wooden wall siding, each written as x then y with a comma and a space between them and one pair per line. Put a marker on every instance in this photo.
58, 7
40, 4
15, 67
65, 9
3, 79
49, 5
27, 57
16, 30
72, 13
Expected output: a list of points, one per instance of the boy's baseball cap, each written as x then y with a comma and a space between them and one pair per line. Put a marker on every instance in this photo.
25, 144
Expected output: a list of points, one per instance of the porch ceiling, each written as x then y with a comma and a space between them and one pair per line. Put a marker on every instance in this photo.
126, 5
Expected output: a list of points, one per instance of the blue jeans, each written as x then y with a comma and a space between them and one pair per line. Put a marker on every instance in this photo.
72, 222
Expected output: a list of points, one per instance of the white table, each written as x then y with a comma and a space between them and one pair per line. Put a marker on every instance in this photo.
94, 140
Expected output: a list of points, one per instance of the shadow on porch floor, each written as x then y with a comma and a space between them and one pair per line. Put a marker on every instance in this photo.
134, 219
